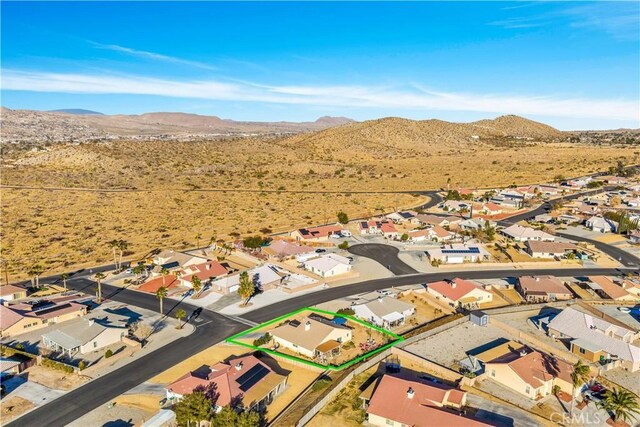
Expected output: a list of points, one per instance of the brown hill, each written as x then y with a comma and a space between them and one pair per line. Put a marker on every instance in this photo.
397, 134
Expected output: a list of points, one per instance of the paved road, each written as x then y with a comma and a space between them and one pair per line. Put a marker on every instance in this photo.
386, 255
211, 328
313, 298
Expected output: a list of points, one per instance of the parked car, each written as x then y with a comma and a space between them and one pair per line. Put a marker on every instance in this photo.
593, 396
336, 236
320, 251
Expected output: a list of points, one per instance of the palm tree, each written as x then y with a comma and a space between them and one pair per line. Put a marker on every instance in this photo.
622, 403
99, 276
161, 294
579, 375
164, 273
113, 244
35, 272
178, 274
138, 270
196, 283
64, 277
123, 245
180, 314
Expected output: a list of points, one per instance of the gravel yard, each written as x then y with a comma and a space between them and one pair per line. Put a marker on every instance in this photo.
449, 347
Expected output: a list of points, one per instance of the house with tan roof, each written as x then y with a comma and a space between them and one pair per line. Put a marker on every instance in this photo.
401, 216
530, 373
442, 221
384, 311
384, 227
84, 336
282, 249
316, 234
241, 382
491, 208
608, 289
313, 337
542, 289
459, 292
24, 317
538, 249
11, 292
174, 260
392, 400
264, 277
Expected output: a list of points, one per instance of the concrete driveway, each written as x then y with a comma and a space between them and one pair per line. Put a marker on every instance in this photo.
500, 414
31, 391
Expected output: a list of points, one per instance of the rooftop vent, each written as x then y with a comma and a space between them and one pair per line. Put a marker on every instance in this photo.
238, 366
410, 393
307, 325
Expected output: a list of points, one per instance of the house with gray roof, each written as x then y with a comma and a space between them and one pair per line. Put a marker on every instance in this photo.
384, 311
82, 337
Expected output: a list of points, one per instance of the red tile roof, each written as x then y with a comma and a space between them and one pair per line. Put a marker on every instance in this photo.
390, 400
153, 285
455, 289
205, 271
224, 375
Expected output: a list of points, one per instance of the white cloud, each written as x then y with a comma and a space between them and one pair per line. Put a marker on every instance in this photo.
413, 98
152, 55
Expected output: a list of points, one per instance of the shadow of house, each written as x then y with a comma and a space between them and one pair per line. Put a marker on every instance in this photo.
126, 312
269, 361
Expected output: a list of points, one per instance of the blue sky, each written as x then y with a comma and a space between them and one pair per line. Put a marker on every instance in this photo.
574, 65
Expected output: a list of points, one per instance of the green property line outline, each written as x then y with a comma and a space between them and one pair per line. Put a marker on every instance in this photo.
397, 339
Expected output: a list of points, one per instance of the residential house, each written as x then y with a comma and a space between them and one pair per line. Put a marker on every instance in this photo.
541, 249
394, 401
442, 221
313, 337
568, 219
263, 277
401, 216
316, 234
282, 249
169, 281
241, 382
542, 289
586, 208
477, 223
28, 316
459, 292
11, 292
206, 271
522, 234
631, 287
458, 253
530, 373
434, 233
174, 260
544, 218
82, 337
456, 206
490, 208
384, 311
608, 289
328, 265
595, 339
600, 224
477, 358
509, 198
384, 227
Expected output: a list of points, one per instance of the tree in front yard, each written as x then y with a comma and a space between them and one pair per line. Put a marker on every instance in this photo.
344, 246
579, 375
621, 403
99, 276
196, 283
192, 409
161, 293
228, 417
246, 288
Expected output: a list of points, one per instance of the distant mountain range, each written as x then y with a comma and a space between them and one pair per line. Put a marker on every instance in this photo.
84, 125
77, 111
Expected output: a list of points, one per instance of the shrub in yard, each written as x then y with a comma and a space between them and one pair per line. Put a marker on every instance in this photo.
321, 384
108, 354
82, 365
347, 310
262, 340
344, 245
20, 346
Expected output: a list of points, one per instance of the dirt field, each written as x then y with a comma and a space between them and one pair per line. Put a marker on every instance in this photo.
61, 229
14, 406
54, 379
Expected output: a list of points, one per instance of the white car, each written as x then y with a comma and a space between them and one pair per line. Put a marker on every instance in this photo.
624, 309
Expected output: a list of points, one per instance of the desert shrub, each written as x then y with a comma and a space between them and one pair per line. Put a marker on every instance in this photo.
108, 354
262, 340
344, 245
346, 310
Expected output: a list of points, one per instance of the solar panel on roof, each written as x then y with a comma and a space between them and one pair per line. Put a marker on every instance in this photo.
461, 251
251, 377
